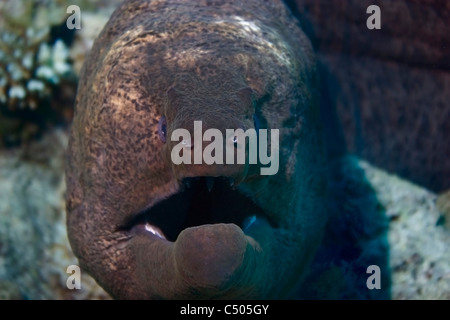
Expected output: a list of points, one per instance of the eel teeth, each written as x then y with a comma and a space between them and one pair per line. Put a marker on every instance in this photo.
248, 222
154, 230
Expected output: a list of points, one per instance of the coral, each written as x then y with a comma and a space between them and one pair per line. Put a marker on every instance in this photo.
33, 65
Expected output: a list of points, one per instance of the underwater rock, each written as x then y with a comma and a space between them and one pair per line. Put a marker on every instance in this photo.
387, 221
34, 250
418, 240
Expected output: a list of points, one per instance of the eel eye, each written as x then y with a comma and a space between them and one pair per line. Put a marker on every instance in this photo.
162, 129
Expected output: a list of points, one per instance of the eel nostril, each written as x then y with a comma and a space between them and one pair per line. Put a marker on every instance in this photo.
162, 129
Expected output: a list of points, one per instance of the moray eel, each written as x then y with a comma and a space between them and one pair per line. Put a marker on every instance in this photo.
146, 228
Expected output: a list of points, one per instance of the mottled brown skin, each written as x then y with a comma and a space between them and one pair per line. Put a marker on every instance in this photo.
390, 88
194, 60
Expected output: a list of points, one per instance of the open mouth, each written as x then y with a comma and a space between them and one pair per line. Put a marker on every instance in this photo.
200, 201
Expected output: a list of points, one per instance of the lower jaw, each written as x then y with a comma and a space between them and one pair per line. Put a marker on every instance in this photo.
216, 261
204, 242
